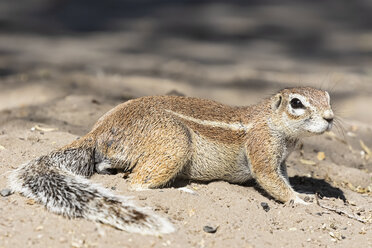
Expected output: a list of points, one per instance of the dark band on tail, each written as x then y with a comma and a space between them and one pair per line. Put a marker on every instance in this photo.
57, 181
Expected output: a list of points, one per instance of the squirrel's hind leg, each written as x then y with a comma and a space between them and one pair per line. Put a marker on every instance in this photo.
156, 173
160, 165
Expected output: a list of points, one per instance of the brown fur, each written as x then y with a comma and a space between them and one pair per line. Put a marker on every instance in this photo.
160, 137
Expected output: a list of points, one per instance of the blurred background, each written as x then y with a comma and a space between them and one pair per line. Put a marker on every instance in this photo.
235, 52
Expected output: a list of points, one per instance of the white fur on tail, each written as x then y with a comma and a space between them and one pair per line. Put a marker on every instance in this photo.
73, 196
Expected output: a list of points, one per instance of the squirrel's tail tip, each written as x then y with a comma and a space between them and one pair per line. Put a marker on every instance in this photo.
157, 226
162, 226
124, 215
75, 197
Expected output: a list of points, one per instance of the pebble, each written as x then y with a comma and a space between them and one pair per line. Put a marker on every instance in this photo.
265, 206
39, 228
209, 229
333, 226
190, 191
77, 244
5, 192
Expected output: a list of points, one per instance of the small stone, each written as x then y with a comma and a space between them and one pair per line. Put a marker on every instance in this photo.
191, 212
96, 101
307, 162
77, 243
5, 192
333, 226
209, 229
265, 206
113, 188
39, 228
320, 156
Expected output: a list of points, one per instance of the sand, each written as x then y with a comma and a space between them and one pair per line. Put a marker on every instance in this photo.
54, 87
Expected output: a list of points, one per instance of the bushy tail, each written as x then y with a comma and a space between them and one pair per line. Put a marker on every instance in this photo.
73, 196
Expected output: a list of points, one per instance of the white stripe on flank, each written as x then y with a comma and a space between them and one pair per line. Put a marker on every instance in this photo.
236, 126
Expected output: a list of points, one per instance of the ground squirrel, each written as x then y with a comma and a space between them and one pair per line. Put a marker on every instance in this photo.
159, 138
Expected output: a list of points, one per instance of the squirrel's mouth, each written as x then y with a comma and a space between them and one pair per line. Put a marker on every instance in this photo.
329, 127
320, 131
326, 128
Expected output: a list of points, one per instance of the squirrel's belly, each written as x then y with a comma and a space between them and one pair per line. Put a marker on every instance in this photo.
217, 161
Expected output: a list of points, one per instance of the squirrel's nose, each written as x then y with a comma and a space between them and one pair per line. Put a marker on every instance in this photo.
328, 116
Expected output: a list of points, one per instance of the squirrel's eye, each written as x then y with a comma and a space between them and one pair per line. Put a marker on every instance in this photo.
296, 103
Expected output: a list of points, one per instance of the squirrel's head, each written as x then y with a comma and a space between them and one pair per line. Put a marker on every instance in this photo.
302, 111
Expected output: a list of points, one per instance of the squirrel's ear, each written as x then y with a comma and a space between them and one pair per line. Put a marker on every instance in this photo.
277, 101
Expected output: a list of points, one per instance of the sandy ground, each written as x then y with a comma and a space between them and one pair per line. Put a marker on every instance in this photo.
64, 81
